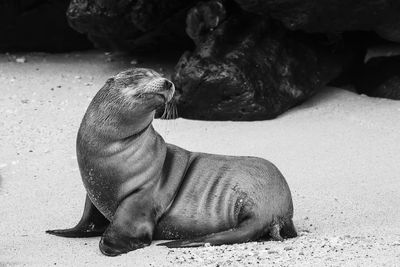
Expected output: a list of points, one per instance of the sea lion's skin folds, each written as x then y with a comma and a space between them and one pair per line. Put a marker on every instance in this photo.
139, 188
220, 192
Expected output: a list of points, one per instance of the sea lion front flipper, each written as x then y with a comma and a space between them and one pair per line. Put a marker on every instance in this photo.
92, 223
244, 233
131, 228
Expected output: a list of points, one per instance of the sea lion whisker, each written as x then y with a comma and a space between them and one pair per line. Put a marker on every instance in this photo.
176, 115
169, 112
164, 115
172, 110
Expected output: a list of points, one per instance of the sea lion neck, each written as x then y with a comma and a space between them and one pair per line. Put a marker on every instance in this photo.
103, 131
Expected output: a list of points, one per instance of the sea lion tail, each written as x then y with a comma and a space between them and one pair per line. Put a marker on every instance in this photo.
288, 230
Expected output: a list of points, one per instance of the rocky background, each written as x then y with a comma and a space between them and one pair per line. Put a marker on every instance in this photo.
244, 59
38, 25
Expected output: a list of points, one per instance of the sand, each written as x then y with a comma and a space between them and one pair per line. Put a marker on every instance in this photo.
339, 152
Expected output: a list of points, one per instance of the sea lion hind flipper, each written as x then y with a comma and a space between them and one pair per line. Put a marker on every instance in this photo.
92, 223
244, 233
183, 243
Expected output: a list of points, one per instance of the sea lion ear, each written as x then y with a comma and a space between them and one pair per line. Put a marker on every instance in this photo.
110, 81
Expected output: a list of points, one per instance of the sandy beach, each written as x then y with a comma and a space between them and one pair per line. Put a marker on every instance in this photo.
339, 151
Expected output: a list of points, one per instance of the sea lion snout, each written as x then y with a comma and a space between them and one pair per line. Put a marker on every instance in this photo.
163, 87
159, 85
144, 82
168, 84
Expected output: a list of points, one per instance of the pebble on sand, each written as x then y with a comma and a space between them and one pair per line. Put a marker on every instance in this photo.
20, 60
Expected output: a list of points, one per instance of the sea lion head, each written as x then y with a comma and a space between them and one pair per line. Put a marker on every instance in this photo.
127, 102
141, 90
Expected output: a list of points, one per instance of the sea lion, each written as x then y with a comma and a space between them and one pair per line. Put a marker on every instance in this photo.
140, 188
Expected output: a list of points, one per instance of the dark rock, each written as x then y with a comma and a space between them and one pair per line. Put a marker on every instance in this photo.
246, 68
101, 19
149, 14
203, 19
131, 24
354, 45
38, 25
381, 16
380, 77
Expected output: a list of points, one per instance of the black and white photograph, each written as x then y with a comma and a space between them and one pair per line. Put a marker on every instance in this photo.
212, 133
